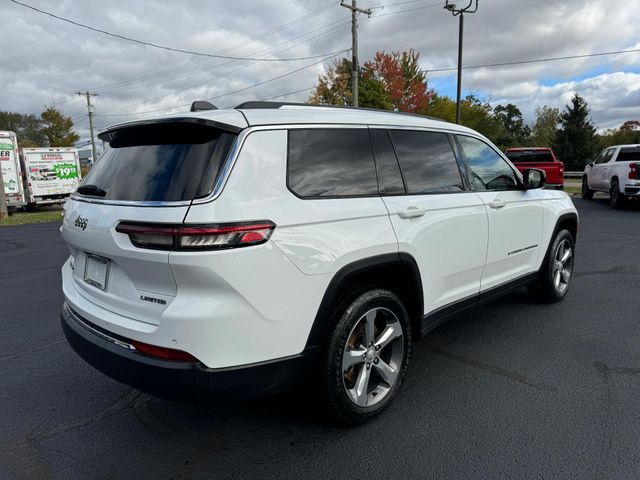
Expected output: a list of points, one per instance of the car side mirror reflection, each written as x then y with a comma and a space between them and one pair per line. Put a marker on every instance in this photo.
534, 178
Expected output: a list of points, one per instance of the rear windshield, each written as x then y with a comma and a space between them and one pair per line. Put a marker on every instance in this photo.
629, 154
540, 157
164, 162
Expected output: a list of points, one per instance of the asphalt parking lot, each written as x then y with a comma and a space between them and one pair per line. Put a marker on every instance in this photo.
514, 389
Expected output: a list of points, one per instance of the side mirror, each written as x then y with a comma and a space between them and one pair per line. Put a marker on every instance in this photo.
590, 164
534, 178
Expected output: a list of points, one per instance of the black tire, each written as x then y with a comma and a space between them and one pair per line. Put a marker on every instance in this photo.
616, 199
388, 314
553, 283
587, 193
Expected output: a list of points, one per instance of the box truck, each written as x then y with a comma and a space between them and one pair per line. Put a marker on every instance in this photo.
11, 173
51, 174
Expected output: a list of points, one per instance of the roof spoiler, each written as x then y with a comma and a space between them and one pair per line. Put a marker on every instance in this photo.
200, 105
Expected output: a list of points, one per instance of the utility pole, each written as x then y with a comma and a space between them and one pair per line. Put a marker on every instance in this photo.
91, 111
355, 70
460, 13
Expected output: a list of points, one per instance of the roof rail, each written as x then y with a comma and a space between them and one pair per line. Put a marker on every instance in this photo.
200, 105
252, 105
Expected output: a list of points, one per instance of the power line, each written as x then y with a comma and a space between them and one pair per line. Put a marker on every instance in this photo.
286, 94
433, 5
395, 4
164, 47
227, 93
538, 60
318, 11
341, 23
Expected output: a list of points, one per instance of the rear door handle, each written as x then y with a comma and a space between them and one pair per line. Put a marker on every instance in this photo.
411, 212
496, 203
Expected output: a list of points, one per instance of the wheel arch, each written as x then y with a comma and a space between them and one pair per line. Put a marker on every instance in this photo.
397, 272
567, 221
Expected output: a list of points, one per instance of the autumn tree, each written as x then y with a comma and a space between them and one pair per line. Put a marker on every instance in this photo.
58, 128
391, 81
544, 129
575, 139
402, 78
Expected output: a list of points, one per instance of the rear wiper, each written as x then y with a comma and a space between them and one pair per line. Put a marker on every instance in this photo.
92, 190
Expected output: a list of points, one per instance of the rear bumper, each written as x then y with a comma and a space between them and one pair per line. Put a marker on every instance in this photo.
632, 191
50, 200
171, 379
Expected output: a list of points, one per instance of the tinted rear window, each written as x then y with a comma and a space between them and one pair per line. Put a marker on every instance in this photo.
628, 154
331, 162
427, 161
165, 162
539, 157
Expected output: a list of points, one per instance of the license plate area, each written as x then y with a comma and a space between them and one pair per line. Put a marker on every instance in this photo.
96, 271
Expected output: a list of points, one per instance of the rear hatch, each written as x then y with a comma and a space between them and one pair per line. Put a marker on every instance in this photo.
149, 174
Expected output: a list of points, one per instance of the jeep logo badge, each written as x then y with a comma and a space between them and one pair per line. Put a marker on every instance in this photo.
81, 222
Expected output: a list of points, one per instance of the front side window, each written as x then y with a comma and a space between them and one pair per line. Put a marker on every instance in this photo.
427, 161
331, 162
605, 156
489, 170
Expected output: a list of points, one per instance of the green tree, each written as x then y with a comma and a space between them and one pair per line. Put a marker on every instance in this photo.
513, 131
575, 140
543, 133
58, 129
334, 87
28, 128
475, 113
628, 132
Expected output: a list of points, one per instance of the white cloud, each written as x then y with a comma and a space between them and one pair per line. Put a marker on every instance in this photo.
45, 61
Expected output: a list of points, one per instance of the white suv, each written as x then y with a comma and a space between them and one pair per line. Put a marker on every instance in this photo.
249, 250
615, 171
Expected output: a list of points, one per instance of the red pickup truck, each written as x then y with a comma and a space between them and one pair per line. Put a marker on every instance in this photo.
539, 157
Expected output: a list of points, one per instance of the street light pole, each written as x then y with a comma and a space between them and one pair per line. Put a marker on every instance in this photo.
460, 12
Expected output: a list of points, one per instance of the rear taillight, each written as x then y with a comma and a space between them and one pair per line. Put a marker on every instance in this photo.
164, 353
633, 171
196, 237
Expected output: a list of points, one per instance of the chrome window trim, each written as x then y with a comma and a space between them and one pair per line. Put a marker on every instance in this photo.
129, 203
234, 153
227, 168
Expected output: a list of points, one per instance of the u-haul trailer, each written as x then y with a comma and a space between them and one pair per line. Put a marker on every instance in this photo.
51, 174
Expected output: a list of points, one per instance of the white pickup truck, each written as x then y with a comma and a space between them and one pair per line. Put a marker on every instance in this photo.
615, 171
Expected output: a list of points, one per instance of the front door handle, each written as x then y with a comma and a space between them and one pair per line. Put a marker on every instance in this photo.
497, 203
411, 212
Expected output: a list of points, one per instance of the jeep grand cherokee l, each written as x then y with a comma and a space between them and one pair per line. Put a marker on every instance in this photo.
249, 250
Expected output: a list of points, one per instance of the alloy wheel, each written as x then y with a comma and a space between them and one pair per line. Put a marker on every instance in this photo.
372, 357
562, 266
